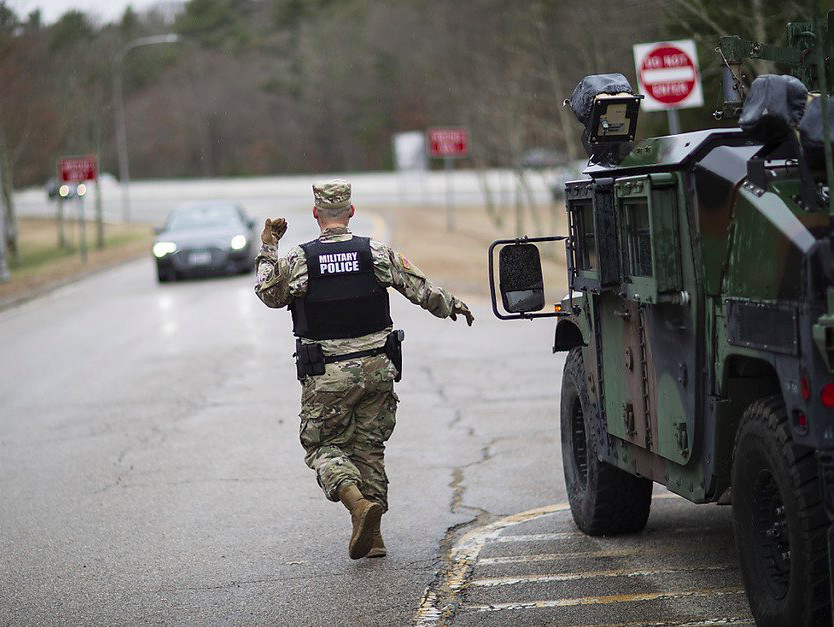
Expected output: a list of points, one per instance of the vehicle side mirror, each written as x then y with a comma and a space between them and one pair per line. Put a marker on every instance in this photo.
520, 278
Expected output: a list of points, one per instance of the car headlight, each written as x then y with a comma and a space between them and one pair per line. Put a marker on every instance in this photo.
238, 242
160, 249
63, 191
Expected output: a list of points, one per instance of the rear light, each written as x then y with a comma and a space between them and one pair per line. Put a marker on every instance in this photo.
804, 387
800, 421
827, 395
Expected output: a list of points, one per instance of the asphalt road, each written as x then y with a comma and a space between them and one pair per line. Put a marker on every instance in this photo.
150, 472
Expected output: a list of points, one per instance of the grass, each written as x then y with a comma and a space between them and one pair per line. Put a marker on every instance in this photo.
42, 262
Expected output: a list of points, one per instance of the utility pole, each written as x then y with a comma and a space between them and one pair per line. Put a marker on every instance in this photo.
118, 100
5, 275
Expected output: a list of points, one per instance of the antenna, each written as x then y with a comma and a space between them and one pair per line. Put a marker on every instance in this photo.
822, 76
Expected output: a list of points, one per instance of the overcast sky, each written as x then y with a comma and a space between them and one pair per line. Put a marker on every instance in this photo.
103, 10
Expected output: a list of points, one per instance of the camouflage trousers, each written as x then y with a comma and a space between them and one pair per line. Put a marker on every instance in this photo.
347, 415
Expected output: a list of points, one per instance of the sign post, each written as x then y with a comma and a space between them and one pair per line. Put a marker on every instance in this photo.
79, 170
5, 275
668, 76
448, 144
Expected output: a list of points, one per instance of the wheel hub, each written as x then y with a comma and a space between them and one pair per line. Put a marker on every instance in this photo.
579, 445
772, 550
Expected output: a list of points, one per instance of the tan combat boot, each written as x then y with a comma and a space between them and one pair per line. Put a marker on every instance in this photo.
365, 516
377, 546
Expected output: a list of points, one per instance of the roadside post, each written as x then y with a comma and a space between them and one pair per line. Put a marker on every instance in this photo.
448, 143
79, 170
99, 215
62, 240
668, 77
5, 275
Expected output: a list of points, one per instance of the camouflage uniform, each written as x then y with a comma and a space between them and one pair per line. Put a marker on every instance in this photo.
348, 413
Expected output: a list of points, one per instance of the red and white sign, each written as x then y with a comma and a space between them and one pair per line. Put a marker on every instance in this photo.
667, 72
77, 169
448, 142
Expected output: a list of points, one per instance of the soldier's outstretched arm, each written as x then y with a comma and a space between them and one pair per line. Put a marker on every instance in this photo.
279, 279
394, 269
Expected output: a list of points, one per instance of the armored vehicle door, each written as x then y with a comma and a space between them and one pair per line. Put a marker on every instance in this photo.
647, 325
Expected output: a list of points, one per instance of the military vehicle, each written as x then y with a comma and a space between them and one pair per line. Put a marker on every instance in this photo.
699, 322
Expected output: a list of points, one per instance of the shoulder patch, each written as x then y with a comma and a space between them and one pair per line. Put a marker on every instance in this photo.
404, 261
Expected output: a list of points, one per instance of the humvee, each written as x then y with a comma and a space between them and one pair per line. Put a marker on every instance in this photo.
699, 322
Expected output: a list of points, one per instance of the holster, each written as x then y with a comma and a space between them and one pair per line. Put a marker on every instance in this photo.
394, 351
309, 360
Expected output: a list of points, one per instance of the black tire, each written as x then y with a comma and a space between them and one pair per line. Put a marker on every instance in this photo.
164, 276
604, 500
779, 520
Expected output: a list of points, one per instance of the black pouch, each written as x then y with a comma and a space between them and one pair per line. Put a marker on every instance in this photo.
309, 360
394, 351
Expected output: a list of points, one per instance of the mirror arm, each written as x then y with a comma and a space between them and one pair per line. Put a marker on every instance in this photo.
530, 240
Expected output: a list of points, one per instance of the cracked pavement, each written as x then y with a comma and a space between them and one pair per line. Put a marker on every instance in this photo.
150, 472
150, 468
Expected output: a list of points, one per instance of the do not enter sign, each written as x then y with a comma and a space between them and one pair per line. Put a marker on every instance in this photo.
668, 75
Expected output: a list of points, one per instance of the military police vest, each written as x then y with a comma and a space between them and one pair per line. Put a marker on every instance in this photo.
343, 299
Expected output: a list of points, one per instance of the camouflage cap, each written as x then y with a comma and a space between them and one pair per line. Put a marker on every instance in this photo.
333, 194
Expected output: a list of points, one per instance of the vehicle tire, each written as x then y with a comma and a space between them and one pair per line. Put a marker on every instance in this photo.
779, 520
164, 276
604, 500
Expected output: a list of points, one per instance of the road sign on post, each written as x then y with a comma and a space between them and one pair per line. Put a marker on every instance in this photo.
448, 143
668, 76
79, 170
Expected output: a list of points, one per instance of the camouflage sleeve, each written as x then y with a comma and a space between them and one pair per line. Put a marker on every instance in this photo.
393, 269
280, 279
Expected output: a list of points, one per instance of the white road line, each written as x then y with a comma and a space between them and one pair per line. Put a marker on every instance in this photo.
636, 551
538, 537
567, 535
463, 556
552, 577
604, 600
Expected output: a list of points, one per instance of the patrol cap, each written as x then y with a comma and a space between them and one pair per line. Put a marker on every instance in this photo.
332, 194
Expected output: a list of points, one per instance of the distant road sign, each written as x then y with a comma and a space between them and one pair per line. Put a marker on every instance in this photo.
667, 72
448, 142
77, 169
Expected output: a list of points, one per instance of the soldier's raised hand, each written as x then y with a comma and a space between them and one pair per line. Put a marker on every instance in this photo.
273, 231
459, 307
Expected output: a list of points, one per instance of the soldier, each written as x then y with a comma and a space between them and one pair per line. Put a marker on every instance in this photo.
347, 353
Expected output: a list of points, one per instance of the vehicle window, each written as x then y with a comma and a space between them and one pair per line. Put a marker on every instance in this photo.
586, 255
639, 238
193, 217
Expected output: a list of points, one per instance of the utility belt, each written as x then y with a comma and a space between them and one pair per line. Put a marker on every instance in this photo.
310, 359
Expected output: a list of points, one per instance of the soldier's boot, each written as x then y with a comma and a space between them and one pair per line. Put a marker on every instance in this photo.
364, 515
377, 546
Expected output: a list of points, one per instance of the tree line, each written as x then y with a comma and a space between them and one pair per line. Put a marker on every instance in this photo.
262, 87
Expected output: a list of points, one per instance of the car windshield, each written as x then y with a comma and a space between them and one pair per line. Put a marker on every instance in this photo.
204, 216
